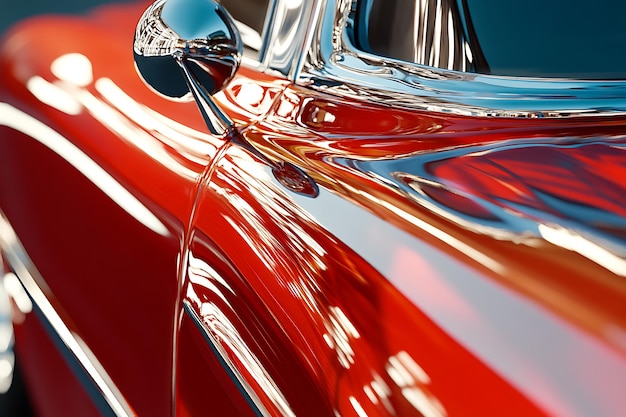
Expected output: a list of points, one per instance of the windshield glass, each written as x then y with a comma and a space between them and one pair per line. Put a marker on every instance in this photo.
531, 38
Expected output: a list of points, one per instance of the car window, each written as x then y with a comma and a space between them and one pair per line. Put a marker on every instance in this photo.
533, 38
250, 18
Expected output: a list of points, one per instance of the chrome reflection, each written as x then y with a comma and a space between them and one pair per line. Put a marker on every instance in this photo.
108, 398
287, 31
24, 123
250, 37
201, 39
436, 31
333, 64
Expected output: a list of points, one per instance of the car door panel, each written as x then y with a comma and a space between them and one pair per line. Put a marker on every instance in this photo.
111, 185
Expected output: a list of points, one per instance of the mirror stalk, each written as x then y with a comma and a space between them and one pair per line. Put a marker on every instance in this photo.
216, 120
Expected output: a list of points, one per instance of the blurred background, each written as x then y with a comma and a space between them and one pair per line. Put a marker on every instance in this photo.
13, 11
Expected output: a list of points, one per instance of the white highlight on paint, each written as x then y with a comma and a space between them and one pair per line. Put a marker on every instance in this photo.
23, 122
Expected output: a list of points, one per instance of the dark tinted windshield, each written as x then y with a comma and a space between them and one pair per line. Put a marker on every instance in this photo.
250, 17
532, 38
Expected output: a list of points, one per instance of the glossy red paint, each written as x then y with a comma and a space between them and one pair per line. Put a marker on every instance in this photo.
567, 290
331, 310
366, 300
112, 278
202, 382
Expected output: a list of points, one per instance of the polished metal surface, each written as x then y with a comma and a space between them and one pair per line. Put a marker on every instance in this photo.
436, 34
216, 120
333, 64
184, 46
287, 33
104, 393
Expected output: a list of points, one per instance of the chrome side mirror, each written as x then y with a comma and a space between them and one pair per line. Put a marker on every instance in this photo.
189, 46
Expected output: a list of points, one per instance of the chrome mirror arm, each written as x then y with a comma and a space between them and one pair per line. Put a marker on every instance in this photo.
216, 120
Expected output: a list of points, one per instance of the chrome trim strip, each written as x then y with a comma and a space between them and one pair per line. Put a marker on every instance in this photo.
334, 65
265, 36
246, 391
312, 21
287, 34
105, 394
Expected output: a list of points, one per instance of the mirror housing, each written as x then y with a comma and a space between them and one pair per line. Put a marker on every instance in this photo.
188, 46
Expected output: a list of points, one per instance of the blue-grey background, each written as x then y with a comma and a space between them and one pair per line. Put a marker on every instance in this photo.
12, 11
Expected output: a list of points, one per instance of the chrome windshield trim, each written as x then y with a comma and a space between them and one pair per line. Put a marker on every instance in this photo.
334, 65
106, 396
269, 15
288, 34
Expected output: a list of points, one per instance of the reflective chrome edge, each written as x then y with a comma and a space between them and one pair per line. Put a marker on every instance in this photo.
287, 27
103, 392
269, 15
334, 65
244, 388
287, 35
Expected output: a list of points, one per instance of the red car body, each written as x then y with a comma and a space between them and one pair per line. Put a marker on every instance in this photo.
331, 257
